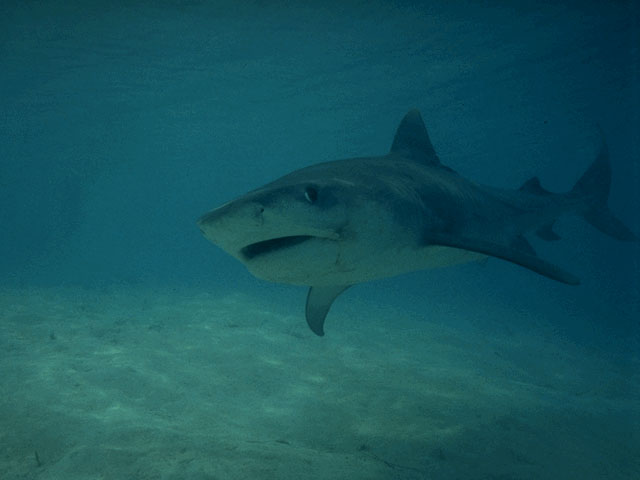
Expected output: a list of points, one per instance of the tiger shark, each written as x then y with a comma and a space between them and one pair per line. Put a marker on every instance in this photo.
336, 224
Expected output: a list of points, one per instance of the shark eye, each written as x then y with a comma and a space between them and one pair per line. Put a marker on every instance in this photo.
311, 194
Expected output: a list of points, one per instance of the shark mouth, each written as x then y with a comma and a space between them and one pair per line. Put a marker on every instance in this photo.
268, 246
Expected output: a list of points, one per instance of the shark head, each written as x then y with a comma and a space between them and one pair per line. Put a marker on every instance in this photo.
289, 231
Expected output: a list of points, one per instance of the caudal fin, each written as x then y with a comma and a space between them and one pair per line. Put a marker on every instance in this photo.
593, 187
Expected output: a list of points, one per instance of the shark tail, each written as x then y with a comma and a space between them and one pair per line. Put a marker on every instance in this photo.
593, 187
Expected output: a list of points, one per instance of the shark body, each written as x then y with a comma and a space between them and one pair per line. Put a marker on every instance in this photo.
335, 224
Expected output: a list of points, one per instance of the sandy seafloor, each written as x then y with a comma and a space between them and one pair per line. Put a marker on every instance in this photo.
122, 122
140, 384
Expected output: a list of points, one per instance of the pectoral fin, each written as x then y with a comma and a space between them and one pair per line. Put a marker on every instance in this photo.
319, 300
515, 253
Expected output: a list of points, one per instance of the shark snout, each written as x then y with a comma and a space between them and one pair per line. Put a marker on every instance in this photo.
232, 217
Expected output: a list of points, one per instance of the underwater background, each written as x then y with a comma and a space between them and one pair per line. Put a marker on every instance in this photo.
130, 347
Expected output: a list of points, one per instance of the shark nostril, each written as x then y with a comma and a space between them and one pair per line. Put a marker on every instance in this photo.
259, 214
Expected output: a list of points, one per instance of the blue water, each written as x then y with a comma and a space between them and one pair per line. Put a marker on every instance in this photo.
122, 122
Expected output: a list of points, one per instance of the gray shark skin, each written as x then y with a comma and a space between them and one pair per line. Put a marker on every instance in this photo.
339, 223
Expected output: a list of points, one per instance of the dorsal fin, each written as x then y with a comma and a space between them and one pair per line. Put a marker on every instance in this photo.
533, 186
412, 140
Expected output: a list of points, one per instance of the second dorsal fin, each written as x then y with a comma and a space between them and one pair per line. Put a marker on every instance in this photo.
533, 186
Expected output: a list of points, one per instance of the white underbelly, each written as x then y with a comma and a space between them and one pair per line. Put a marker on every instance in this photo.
373, 267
